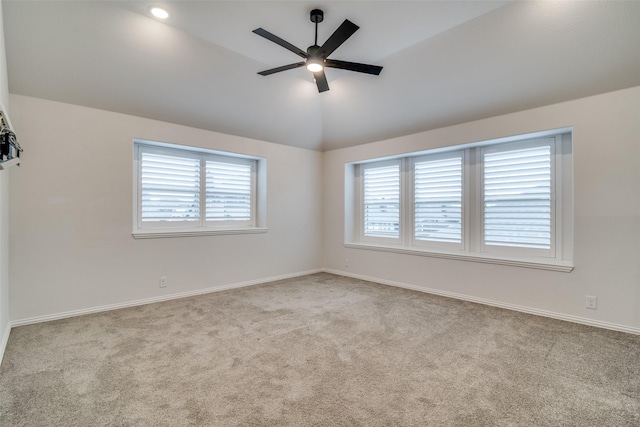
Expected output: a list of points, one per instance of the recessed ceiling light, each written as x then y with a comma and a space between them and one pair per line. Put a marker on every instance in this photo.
159, 13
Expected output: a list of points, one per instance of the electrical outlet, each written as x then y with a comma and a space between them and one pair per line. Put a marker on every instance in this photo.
591, 302
163, 282
346, 262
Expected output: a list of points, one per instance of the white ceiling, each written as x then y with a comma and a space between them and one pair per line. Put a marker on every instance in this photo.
445, 62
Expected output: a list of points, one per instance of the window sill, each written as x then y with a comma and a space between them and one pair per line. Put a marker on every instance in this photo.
550, 264
191, 232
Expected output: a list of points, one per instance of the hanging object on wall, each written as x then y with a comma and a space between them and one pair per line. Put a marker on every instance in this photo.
9, 147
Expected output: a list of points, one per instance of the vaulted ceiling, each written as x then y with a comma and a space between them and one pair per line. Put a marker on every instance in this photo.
445, 62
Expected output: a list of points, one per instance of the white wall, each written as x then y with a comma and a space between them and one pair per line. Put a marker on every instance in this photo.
71, 214
4, 208
606, 142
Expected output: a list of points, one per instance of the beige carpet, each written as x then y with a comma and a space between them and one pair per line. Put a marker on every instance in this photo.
319, 350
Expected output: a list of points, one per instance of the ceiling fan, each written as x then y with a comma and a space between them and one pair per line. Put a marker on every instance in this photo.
315, 58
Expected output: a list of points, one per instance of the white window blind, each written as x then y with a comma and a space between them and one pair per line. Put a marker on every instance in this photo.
518, 197
169, 188
507, 201
187, 191
229, 189
382, 201
438, 200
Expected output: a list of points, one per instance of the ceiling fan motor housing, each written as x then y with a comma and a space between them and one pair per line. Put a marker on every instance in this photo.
313, 50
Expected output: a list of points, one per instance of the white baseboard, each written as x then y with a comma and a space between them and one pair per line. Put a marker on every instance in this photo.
508, 306
5, 340
523, 309
98, 309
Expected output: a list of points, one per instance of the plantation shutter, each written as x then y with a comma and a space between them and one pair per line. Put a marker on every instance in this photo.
170, 188
228, 195
438, 200
517, 197
382, 201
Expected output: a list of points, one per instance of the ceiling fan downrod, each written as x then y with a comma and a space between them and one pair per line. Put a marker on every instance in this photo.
317, 16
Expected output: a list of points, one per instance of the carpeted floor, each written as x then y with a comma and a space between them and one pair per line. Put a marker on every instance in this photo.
320, 350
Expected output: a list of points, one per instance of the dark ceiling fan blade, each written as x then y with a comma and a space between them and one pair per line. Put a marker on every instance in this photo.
283, 68
339, 36
353, 66
321, 81
277, 40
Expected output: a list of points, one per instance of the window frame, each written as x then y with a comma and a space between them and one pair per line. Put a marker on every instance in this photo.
237, 161
431, 244
556, 181
361, 187
473, 247
201, 227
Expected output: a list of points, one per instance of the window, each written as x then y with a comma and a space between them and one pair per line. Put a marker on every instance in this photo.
229, 190
517, 197
437, 199
381, 201
183, 191
169, 188
507, 201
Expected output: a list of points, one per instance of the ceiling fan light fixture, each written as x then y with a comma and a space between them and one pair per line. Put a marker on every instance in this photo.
314, 65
